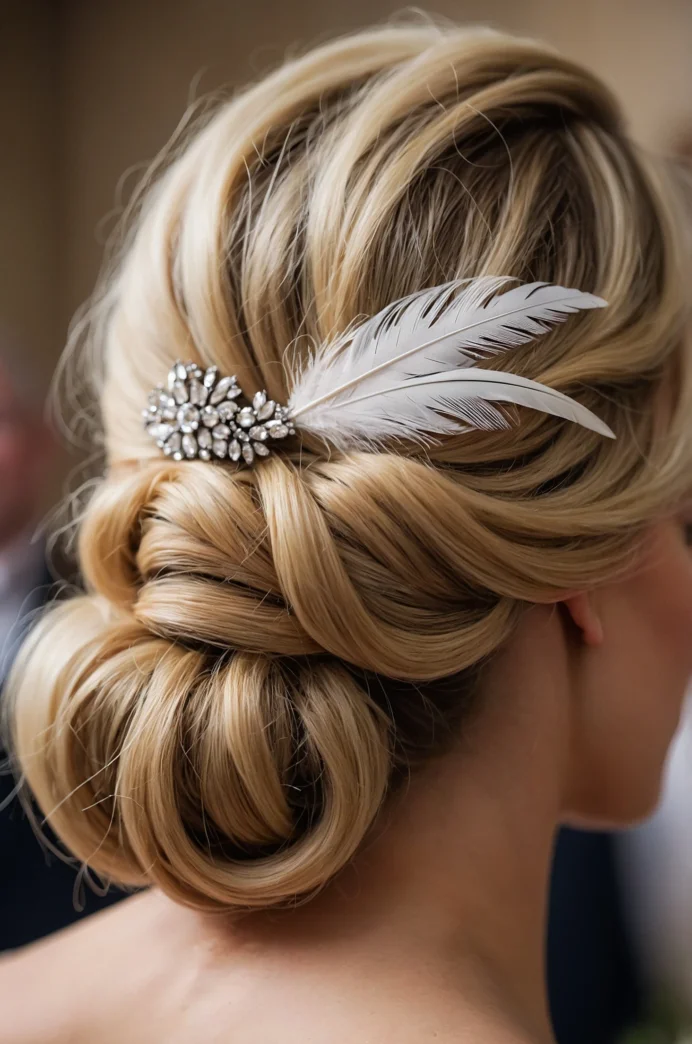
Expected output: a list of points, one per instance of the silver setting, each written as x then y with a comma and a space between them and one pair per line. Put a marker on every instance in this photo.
194, 416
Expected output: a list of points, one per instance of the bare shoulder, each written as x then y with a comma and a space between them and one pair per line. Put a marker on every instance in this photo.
147, 971
49, 988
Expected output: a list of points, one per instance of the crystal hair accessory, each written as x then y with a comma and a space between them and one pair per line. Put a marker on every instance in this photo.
197, 415
409, 372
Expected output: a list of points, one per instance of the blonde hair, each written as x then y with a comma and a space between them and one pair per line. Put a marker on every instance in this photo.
262, 653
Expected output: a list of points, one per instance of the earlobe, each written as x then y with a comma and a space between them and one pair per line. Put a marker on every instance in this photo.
585, 617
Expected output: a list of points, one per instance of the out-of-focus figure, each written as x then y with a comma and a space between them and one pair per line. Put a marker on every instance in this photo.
36, 887
25, 453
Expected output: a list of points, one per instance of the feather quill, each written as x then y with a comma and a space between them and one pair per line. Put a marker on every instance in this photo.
411, 370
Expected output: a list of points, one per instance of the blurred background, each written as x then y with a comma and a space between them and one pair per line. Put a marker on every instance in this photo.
90, 90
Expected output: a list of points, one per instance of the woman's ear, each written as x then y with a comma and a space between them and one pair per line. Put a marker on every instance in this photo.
585, 617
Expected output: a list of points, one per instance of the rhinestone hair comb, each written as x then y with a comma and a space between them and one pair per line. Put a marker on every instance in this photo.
200, 415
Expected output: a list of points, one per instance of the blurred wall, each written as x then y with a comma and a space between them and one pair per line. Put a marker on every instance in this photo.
31, 196
91, 90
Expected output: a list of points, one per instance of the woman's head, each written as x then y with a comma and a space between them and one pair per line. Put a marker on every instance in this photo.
263, 652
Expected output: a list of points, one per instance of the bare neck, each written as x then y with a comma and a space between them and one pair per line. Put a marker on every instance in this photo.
454, 878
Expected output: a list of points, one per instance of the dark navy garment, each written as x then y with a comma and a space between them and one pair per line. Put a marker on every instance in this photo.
37, 889
593, 982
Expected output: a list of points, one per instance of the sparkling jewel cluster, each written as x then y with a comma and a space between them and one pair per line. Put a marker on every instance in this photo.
196, 416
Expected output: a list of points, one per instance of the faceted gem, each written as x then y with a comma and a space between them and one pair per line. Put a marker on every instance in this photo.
259, 432
259, 399
221, 389
159, 397
190, 446
210, 376
173, 444
234, 392
241, 435
234, 450
204, 439
227, 409
264, 412
180, 392
170, 413
188, 418
210, 417
246, 418
248, 453
160, 432
260, 449
204, 454
277, 430
198, 393
220, 447
180, 371
221, 431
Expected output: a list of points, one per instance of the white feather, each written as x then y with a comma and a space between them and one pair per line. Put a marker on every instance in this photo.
409, 371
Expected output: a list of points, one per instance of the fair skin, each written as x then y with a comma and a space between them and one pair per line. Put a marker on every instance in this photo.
435, 931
